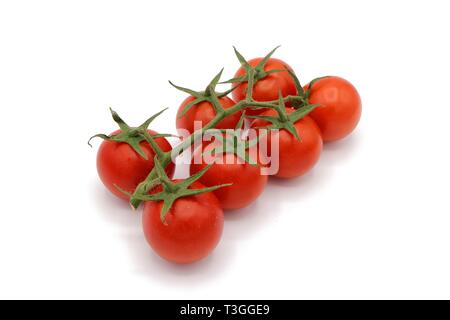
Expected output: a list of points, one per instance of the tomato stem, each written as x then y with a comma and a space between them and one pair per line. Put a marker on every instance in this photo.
163, 159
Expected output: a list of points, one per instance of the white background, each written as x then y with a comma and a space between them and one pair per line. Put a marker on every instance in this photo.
371, 221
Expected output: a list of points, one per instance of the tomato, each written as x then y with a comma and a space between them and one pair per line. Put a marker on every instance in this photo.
267, 88
247, 182
193, 227
340, 108
119, 164
295, 157
204, 112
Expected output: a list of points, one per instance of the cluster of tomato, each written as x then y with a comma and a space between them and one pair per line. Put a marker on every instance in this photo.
183, 219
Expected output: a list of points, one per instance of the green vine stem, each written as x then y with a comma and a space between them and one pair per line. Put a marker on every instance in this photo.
164, 158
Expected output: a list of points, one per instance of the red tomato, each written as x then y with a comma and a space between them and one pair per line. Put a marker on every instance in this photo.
204, 112
295, 157
340, 108
118, 164
247, 182
194, 227
268, 88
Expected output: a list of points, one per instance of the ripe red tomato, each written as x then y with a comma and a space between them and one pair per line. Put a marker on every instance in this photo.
194, 227
247, 182
295, 157
340, 108
204, 112
118, 164
268, 88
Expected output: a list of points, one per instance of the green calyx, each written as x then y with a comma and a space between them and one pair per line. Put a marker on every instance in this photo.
133, 136
230, 141
255, 73
209, 94
286, 120
172, 191
302, 98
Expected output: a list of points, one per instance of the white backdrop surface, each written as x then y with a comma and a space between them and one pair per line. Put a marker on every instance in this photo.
371, 221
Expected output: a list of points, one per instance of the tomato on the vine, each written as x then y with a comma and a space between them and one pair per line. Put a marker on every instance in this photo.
268, 87
119, 165
296, 157
183, 220
204, 112
193, 227
247, 183
340, 107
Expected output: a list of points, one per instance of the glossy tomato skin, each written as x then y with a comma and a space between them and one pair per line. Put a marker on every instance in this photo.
268, 88
118, 164
246, 179
194, 227
205, 112
295, 157
340, 109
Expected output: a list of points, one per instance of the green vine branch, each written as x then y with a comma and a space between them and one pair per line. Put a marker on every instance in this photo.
163, 159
